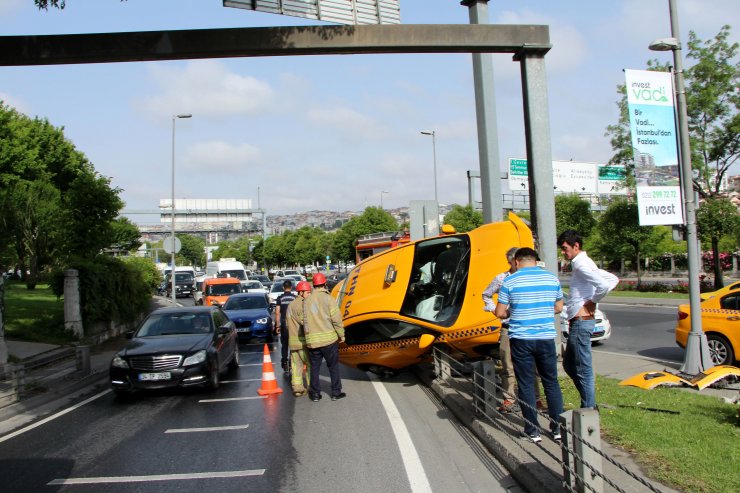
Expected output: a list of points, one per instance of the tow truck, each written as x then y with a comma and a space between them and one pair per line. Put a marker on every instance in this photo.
399, 302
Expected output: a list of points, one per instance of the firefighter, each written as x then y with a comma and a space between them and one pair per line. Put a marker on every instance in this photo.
324, 333
295, 320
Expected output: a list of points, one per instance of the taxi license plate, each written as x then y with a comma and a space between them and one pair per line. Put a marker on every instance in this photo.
155, 376
242, 330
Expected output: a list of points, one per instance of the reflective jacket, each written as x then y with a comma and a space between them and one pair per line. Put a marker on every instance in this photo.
323, 320
295, 319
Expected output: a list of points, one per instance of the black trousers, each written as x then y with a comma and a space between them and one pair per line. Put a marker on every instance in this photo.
283, 345
329, 353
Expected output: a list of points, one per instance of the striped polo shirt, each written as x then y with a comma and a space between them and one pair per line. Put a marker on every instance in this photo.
531, 293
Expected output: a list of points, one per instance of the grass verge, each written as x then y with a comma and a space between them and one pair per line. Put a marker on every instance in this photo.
34, 315
648, 294
696, 450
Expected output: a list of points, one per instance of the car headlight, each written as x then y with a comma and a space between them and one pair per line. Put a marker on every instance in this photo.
195, 359
119, 362
262, 320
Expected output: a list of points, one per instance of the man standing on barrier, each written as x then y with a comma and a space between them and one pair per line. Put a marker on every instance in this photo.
530, 298
588, 286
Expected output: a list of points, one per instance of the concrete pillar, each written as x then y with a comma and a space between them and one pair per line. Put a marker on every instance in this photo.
72, 309
485, 389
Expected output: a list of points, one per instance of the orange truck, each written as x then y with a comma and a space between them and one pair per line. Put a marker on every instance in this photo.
397, 303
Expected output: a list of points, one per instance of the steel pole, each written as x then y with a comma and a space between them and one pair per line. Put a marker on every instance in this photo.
696, 356
172, 272
434, 155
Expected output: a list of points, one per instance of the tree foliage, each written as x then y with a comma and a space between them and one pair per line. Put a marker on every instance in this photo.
621, 234
716, 218
573, 212
372, 220
126, 235
464, 218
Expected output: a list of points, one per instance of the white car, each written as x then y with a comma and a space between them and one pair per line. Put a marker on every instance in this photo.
277, 288
602, 329
253, 286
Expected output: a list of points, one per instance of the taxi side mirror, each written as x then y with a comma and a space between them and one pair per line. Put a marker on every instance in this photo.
426, 340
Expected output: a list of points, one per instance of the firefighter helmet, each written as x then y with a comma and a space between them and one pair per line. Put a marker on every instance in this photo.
319, 279
303, 286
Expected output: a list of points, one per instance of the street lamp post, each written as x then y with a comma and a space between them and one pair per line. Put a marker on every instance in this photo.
381, 198
434, 153
172, 272
696, 356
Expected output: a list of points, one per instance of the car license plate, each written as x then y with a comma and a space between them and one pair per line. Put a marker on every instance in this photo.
154, 376
242, 330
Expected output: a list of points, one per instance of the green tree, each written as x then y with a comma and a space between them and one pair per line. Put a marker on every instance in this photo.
715, 218
573, 212
621, 233
192, 250
372, 220
464, 218
126, 235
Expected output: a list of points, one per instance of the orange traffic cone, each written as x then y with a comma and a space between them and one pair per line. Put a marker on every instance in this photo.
269, 384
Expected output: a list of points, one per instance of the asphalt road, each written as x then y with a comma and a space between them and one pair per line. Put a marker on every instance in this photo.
385, 436
643, 330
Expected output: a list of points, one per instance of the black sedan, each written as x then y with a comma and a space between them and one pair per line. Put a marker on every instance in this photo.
177, 347
252, 314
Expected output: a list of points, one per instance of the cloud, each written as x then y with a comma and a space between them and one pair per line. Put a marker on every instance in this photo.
205, 88
15, 102
350, 123
218, 156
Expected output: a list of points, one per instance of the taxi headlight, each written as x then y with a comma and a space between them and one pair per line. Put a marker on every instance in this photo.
195, 359
119, 362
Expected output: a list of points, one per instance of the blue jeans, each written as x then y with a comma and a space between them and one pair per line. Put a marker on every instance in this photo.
577, 360
539, 353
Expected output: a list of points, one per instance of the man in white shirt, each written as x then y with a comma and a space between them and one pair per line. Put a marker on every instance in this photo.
588, 286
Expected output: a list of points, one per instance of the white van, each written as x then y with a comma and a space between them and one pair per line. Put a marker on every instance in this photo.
179, 268
227, 267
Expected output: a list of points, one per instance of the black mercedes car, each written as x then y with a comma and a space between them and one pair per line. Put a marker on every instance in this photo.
177, 347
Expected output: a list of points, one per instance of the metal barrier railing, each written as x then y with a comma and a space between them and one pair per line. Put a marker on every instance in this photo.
581, 453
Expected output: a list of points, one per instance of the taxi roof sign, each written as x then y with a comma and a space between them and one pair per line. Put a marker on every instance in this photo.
352, 12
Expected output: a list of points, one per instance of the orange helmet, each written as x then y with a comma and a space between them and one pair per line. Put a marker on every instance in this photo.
303, 286
319, 279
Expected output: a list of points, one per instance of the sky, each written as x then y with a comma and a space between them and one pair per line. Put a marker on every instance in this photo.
329, 132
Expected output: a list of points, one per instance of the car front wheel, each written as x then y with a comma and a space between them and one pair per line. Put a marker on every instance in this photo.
720, 350
214, 379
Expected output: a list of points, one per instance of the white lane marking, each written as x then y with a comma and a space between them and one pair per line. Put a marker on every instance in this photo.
53, 416
252, 364
158, 477
243, 380
234, 399
411, 461
210, 428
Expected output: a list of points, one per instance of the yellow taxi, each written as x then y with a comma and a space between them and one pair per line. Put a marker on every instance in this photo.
720, 320
398, 302
720, 292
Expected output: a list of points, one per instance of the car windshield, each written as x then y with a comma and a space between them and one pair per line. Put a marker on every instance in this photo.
239, 274
277, 286
184, 276
253, 285
438, 279
246, 303
168, 324
223, 289
261, 278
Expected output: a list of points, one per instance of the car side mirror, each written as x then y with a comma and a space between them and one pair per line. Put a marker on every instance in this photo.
426, 340
225, 328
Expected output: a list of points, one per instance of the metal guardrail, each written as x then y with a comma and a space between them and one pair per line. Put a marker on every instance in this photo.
581, 454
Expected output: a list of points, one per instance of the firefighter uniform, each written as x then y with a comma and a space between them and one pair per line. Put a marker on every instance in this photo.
299, 362
324, 332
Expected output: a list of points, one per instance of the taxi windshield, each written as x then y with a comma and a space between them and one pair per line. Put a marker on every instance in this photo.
438, 279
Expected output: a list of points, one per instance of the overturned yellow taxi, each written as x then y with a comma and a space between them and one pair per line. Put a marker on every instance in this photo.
396, 303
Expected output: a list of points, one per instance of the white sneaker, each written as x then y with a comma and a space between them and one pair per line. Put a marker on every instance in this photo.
531, 438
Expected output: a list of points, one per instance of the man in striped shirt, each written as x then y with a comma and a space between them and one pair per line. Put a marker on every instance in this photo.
530, 298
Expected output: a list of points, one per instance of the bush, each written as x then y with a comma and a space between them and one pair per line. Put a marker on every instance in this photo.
110, 289
150, 275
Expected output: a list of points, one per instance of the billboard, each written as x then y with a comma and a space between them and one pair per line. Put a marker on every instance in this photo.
654, 146
353, 12
573, 177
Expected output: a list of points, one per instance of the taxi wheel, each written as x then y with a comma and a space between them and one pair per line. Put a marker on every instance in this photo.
720, 350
